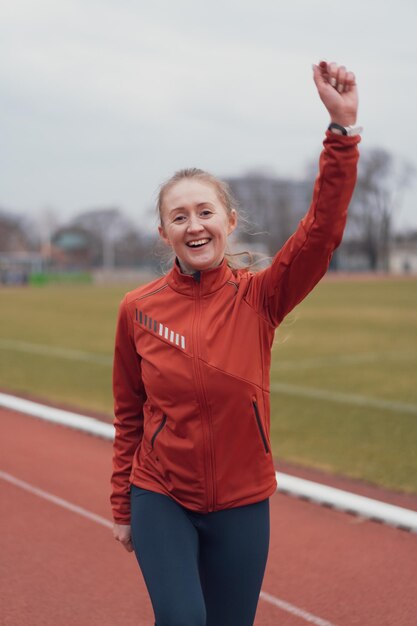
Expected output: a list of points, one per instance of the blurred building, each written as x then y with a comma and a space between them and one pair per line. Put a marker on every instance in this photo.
403, 254
19, 255
74, 248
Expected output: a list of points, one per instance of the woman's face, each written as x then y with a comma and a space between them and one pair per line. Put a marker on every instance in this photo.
196, 224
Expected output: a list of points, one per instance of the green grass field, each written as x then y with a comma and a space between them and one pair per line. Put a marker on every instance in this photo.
344, 392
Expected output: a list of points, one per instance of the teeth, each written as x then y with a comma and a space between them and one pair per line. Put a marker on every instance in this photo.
199, 242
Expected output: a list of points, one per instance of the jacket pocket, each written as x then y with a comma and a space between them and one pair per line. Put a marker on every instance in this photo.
158, 430
258, 420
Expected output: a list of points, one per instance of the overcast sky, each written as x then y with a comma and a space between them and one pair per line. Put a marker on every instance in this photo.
103, 100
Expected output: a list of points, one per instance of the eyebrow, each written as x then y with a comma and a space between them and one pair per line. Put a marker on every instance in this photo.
181, 208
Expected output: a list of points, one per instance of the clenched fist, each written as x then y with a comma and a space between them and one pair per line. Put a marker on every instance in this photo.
121, 532
338, 92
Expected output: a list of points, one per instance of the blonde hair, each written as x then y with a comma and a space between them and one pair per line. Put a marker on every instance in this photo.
227, 200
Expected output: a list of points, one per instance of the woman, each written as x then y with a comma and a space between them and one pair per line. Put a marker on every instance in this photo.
192, 466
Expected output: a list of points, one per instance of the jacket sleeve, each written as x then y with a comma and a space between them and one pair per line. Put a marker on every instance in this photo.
305, 257
129, 397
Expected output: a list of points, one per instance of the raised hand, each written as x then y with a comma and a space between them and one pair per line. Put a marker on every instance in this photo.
338, 92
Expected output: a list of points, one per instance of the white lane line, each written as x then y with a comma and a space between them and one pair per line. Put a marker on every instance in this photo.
58, 416
348, 501
286, 606
59, 501
317, 492
339, 360
290, 608
345, 398
55, 351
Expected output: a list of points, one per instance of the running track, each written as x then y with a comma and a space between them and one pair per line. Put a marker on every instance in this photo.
59, 567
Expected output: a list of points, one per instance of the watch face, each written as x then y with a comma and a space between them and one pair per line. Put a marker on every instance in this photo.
354, 130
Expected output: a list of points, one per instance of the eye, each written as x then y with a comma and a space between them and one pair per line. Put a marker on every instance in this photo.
206, 212
179, 218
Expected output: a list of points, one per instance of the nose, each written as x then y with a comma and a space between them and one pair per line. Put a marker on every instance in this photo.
194, 225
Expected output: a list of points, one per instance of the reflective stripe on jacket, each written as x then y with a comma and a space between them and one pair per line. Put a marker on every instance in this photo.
192, 361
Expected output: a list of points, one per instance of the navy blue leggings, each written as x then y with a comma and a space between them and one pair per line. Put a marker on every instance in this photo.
200, 569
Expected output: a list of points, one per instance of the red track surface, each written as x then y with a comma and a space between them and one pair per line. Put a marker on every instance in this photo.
58, 568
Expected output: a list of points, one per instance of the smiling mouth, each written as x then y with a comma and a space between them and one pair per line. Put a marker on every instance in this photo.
198, 243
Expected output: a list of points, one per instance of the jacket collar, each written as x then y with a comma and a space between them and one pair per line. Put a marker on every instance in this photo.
201, 282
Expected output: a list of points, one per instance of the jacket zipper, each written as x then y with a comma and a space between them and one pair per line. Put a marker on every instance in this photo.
261, 430
209, 456
158, 430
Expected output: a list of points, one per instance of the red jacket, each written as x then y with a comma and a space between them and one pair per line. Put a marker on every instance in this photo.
192, 360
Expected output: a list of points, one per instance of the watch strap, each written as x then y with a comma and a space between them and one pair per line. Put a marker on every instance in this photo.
338, 127
346, 130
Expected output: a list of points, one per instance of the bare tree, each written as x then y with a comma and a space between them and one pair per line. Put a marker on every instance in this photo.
271, 205
109, 225
382, 180
136, 249
15, 236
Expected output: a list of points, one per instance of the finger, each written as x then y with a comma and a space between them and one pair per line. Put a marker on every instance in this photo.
350, 81
340, 78
321, 76
351, 78
332, 72
128, 546
317, 75
324, 71
323, 67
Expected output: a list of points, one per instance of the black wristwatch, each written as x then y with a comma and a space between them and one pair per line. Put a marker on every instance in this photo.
346, 130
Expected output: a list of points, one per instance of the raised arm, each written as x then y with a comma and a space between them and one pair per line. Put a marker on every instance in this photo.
305, 257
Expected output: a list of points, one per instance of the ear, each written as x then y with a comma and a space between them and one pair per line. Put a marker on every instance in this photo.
232, 221
163, 235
